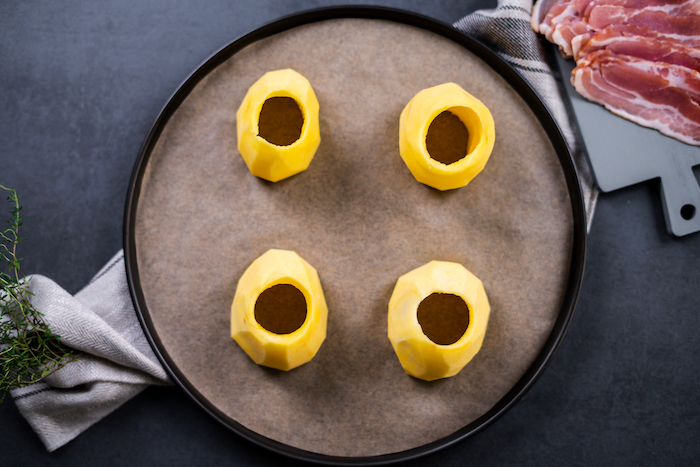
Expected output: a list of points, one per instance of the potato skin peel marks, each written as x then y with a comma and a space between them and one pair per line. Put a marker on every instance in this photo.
267, 160
419, 356
415, 120
280, 351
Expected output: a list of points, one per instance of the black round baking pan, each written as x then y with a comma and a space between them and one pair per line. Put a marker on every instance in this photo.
513, 79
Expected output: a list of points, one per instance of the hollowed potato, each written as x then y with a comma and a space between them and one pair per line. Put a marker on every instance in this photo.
266, 321
415, 334
415, 121
274, 161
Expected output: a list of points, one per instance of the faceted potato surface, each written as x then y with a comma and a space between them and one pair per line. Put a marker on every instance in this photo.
415, 121
263, 158
419, 356
281, 351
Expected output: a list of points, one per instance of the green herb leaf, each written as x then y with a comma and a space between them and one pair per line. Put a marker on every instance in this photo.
29, 351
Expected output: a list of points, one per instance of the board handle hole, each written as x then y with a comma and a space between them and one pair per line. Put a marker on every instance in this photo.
688, 212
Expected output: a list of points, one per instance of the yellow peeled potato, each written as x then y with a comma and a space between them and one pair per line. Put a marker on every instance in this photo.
412, 336
266, 159
268, 334
415, 121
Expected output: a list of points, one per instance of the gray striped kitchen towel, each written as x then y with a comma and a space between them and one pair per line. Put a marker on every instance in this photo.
115, 360
507, 31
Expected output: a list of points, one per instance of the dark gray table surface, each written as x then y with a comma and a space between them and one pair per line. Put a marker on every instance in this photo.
80, 85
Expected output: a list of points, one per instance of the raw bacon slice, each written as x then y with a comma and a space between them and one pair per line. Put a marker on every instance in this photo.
684, 29
568, 22
638, 58
671, 7
653, 95
641, 43
562, 23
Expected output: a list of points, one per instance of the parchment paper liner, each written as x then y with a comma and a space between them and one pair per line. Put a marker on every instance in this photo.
360, 218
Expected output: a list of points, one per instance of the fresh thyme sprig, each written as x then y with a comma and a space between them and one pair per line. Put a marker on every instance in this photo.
29, 351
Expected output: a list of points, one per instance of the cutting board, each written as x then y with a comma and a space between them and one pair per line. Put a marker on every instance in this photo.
623, 153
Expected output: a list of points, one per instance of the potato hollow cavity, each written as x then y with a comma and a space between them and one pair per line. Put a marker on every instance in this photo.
443, 317
281, 309
282, 351
447, 140
280, 121
420, 356
414, 124
265, 159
